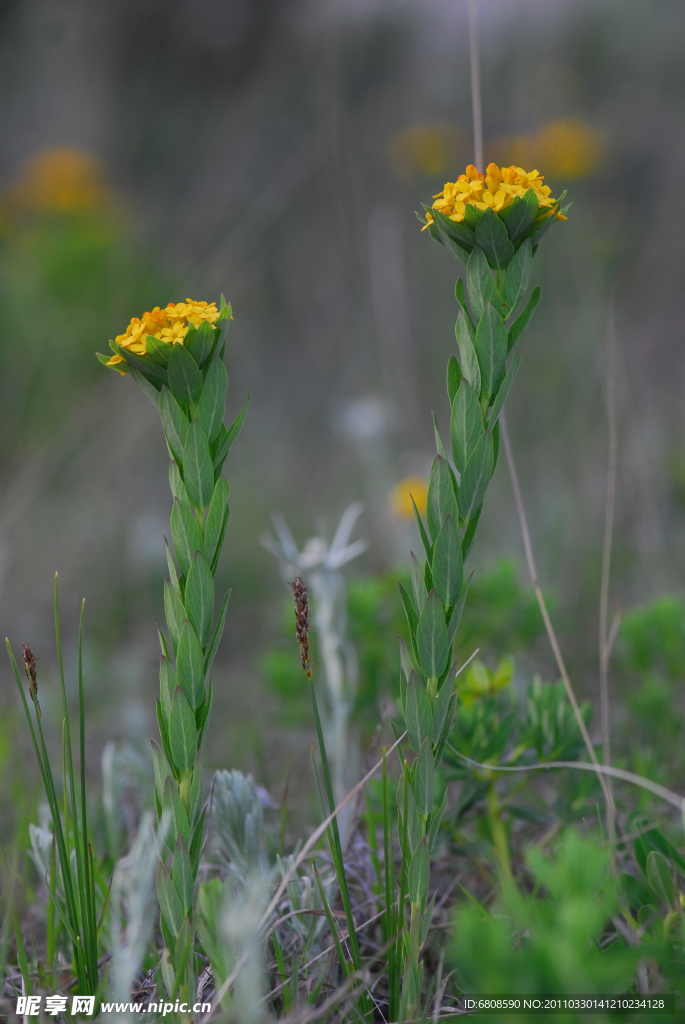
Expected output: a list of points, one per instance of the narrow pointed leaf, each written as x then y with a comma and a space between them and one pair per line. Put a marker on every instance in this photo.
418, 583
217, 634
454, 376
169, 902
435, 824
215, 518
427, 547
424, 779
225, 438
185, 534
455, 617
210, 410
417, 712
410, 612
167, 684
522, 215
438, 440
199, 598
481, 287
492, 237
431, 637
182, 875
460, 296
145, 386
202, 343
174, 612
466, 337
196, 794
448, 564
189, 666
176, 485
521, 322
476, 477
516, 278
174, 421
457, 231
198, 472
161, 773
184, 376
466, 424
441, 498
405, 658
418, 873
491, 349
182, 734
498, 404
442, 703
179, 818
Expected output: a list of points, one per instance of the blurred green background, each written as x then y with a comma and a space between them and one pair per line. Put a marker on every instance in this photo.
275, 151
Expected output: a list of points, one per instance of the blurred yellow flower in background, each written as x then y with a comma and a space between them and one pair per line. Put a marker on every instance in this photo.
411, 487
566, 148
480, 682
169, 324
497, 188
60, 180
427, 149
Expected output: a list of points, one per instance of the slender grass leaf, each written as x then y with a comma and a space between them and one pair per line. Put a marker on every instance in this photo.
521, 322
174, 613
466, 337
431, 637
448, 564
185, 534
202, 343
424, 779
184, 376
418, 583
418, 873
441, 497
476, 477
167, 685
516, 278
466, 424
660, 877
454, 376
521, 216
217, 634
480, 284
491, 349
491, 236
198, 472
169, 901
199, 598
215, 518
498, 404
210, 410
182, 738
189, 666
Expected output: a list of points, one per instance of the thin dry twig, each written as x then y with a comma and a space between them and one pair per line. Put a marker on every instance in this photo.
543, 607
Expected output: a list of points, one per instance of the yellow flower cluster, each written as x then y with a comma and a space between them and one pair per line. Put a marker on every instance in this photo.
60, 180
169, 324
497, 188
411, 487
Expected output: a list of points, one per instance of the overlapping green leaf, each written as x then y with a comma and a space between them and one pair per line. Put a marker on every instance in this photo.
476, 477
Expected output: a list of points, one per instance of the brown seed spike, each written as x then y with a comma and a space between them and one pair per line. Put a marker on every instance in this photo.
30, 666
302, 617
